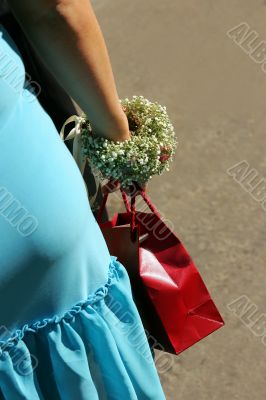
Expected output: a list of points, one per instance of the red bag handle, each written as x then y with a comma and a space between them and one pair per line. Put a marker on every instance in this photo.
147, 200
105, 197
130, 208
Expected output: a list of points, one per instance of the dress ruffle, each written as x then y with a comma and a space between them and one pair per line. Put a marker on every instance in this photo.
97, 350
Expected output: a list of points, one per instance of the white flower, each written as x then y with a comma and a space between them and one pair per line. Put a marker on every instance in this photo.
141, 152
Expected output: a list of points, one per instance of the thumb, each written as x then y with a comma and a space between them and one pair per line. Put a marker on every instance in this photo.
110, 186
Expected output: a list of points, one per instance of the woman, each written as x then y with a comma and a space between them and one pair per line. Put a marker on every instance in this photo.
52, 96
67, 314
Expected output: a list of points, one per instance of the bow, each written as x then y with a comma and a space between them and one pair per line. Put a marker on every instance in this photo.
78, 150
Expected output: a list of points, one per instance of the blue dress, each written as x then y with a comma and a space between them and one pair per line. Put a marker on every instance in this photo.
69, 328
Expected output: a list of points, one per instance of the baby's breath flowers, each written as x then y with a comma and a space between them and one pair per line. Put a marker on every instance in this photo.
147, 153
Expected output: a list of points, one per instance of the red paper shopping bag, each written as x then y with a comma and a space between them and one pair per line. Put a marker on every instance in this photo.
174, 304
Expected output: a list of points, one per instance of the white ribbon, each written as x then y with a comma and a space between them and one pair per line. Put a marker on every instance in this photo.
78, 151
75, 134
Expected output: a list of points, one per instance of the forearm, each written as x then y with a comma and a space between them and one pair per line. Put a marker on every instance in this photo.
68, 38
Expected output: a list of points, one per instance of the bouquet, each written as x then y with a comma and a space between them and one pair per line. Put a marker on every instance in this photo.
149, 151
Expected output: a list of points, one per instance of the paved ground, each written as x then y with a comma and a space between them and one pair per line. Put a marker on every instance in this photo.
178, 53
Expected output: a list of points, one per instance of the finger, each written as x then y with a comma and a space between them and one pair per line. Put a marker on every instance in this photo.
140, 188
110, 186
135, 189
145, 187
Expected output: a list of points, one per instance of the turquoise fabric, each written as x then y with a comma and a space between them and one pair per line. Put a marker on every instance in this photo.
69, 328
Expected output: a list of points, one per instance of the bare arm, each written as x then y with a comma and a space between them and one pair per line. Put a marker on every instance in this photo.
68, 38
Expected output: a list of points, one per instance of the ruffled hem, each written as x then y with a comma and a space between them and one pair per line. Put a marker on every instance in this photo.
69, 315
97, 350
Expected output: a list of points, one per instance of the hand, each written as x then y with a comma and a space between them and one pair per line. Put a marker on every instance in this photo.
116, 130
121, 130
114, 185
